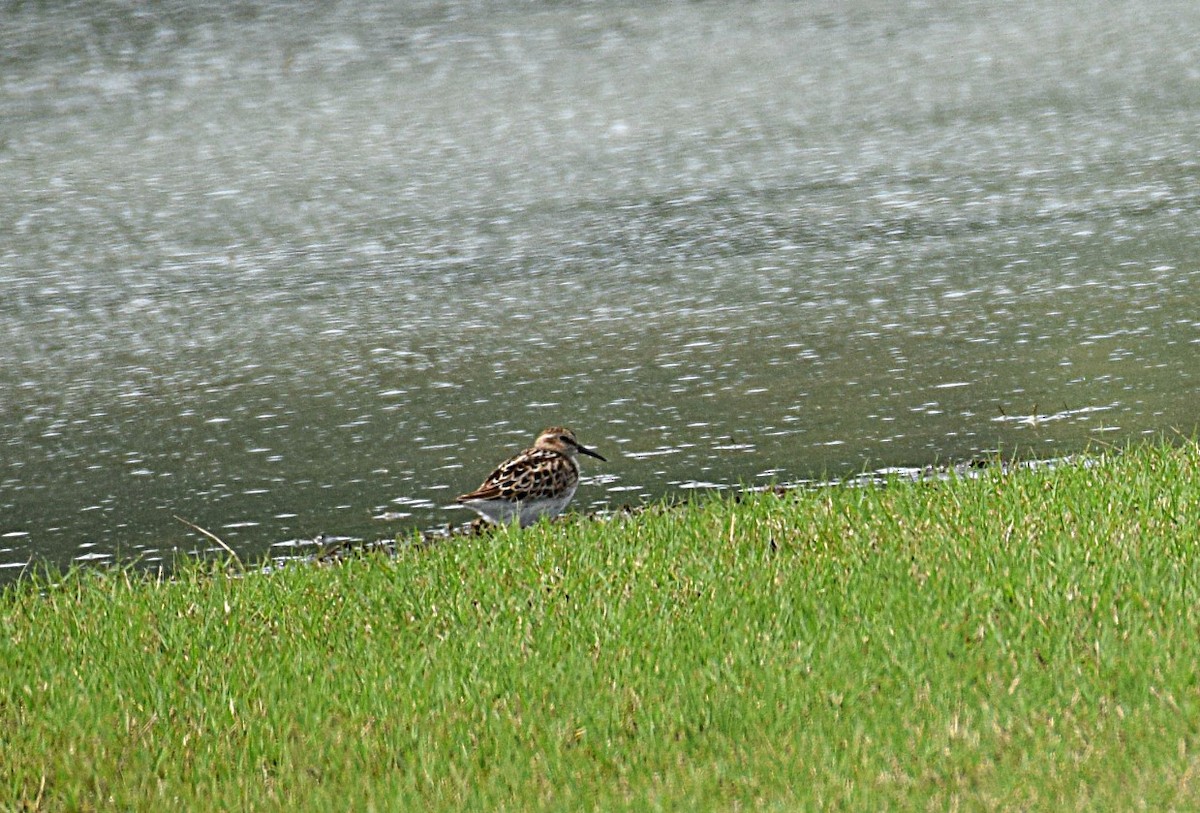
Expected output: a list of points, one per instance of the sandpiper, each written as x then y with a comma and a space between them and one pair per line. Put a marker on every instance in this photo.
538, 482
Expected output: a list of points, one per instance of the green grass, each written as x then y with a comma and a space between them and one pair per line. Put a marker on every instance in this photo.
1028, 640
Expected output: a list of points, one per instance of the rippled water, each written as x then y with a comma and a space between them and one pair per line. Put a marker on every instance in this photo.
284, 269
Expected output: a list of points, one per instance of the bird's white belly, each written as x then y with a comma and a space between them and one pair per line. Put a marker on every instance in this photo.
533, 510
528, 512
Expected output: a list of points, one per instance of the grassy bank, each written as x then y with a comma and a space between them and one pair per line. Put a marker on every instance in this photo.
1024, 640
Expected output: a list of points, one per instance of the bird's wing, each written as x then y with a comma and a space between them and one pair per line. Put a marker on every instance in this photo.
488, 491
530, 474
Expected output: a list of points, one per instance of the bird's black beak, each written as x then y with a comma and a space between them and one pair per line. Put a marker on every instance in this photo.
588, 451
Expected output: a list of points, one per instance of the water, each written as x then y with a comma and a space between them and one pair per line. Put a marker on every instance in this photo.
285, 269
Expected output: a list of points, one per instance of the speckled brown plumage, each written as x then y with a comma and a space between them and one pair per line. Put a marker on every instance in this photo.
537, 482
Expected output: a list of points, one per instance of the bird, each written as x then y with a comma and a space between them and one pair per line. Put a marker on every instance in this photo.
535, 483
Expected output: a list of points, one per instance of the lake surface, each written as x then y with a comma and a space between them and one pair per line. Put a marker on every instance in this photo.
291, 269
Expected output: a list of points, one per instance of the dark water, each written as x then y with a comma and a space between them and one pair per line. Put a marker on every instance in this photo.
284, 269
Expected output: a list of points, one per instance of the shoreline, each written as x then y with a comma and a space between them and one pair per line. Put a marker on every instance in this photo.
1023, 639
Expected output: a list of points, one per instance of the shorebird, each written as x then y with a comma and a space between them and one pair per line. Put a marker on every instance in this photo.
538, 482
